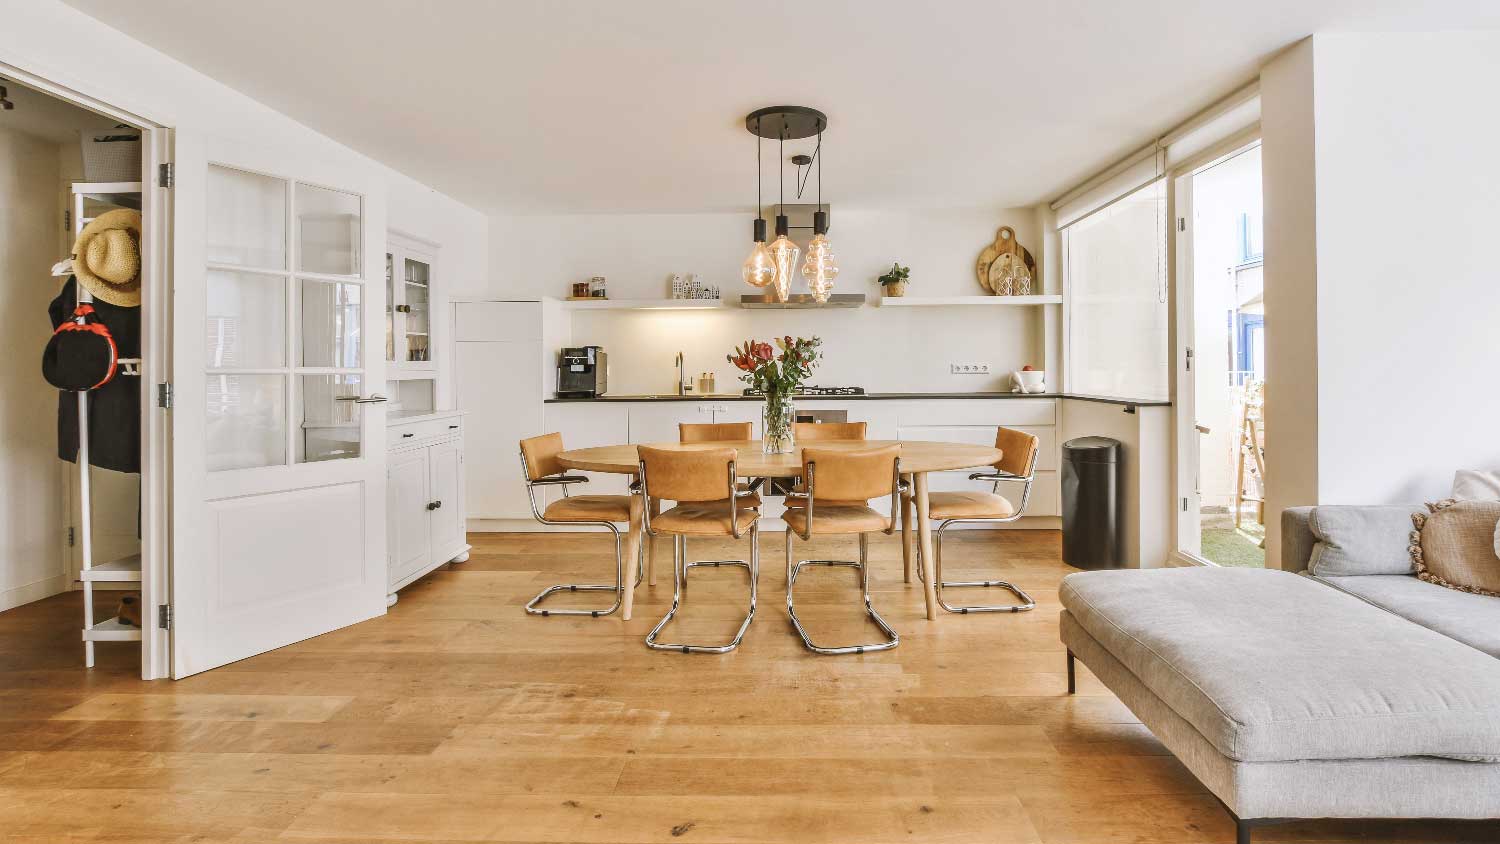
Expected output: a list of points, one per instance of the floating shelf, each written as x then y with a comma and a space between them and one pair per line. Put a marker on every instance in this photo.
932, 301
111, 630
123, 570
643, 304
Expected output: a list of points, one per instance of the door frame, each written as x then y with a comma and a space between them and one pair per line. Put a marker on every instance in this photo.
1181, 322
156, 337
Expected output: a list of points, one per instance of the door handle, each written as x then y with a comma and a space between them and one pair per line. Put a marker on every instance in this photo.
375, 398
1202, 429
433, 505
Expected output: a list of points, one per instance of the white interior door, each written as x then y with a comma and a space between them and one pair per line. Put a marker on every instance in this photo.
278, 458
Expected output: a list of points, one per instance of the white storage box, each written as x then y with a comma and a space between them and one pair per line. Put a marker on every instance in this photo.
111, 155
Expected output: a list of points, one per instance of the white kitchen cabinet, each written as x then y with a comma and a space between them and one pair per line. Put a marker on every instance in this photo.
424, 495
498, 364
974, 421
656, 422
410, 282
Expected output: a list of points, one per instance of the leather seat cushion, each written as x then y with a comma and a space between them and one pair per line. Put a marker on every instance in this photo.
968, 505
837, 518
589, 508
703, 518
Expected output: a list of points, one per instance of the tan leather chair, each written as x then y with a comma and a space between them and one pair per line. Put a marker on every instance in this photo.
709, 503
540, 468
806, 432
839, 486
707, 432
1018, 465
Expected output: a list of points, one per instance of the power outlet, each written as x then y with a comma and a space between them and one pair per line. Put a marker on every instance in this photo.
969, 368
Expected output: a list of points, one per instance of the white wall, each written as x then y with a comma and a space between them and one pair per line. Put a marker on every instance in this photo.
881, 349
1390, 138
31, 495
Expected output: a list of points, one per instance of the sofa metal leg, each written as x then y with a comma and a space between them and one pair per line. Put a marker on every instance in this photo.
1072, 678
1242, 831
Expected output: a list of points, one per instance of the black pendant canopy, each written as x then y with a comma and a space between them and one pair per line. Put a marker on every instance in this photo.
786, 122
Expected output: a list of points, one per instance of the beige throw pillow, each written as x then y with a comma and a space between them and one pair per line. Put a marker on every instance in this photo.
1454, 546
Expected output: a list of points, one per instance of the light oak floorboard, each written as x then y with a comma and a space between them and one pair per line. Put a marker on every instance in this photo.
458, 718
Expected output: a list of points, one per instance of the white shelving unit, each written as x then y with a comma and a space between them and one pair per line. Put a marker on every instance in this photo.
644, 304
126, 569
950, 301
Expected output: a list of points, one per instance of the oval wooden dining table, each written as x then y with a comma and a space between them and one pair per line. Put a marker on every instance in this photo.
918, 458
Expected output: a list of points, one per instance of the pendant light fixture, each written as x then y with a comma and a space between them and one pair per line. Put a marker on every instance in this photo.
759, 270
782, 123
820, 269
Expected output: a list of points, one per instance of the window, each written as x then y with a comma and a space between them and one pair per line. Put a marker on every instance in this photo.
1116, 268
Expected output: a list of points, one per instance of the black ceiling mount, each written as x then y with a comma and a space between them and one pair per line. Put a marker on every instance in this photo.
801, 160
786, 123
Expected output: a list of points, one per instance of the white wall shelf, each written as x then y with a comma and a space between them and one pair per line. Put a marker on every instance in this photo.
123, 570
643, 304
932, 301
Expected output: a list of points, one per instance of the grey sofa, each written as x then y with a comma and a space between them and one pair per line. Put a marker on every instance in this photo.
1288, 699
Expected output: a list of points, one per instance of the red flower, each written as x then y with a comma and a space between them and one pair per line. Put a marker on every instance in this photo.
762, 351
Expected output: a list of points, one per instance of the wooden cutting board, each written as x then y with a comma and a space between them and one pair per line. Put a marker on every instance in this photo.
1005, 244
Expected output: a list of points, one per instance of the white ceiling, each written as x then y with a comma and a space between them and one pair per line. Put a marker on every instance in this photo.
638, 105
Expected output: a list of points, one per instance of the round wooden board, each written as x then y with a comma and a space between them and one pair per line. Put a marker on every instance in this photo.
917, 456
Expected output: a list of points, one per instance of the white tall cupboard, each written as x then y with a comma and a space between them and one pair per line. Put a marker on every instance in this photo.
498, 367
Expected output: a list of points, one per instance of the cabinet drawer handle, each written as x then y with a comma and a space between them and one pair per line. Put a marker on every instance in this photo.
452, 427
434, 505
404, 436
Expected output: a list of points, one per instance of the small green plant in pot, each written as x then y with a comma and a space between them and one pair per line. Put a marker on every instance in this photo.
894, 281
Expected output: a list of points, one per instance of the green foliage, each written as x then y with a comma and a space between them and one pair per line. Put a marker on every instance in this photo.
897, 273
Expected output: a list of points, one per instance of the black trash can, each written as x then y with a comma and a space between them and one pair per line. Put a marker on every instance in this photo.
1091, 503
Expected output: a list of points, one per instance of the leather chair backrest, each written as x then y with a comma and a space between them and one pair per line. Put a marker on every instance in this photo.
540, 455
850, 475
1019, 447
706, 432
688, 475
814, 431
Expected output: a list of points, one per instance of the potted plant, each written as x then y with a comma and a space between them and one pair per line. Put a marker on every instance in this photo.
778, 377
894, 281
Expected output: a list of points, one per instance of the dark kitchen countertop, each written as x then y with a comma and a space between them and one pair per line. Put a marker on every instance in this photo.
877, 397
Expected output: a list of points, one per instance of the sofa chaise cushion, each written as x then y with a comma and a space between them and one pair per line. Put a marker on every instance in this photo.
1270, 666
1471, 619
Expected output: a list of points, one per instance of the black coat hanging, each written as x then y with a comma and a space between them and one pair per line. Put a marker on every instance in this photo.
115, 408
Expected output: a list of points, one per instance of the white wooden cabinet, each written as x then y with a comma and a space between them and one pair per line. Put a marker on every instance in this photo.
974, 421
424, 495
656, 422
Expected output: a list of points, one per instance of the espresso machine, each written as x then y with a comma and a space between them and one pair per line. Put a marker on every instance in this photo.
582, 373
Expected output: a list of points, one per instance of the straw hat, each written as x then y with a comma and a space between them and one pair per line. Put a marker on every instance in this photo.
107, 258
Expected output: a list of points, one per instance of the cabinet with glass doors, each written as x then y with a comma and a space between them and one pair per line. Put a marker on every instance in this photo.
410, 273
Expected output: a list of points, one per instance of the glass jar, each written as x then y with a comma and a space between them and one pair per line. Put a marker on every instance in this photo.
777, 419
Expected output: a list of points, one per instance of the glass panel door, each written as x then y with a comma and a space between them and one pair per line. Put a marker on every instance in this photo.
418, 309
283, 348
390, 307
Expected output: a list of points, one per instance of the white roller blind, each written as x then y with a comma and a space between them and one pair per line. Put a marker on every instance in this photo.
1130, 175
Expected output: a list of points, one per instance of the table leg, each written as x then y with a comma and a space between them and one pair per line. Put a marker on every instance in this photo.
924, 532
906, 531
651, 545
632, 547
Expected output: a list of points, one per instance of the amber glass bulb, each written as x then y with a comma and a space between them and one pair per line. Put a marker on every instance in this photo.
820, 268
784, 254
759, 270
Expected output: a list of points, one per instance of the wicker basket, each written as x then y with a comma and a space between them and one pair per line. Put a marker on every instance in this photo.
111, 155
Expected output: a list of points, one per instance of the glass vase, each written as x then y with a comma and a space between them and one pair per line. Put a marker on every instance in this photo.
777, 419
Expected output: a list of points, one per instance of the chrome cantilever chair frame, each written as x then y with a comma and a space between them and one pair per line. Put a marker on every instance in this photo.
898, 487
680, 566
1027, 602
564, 482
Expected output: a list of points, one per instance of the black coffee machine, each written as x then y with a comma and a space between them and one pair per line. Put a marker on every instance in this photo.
582, 373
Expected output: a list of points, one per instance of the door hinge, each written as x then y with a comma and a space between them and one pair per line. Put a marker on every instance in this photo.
164, 616
1184, 505
166, 175
68, 221
164, 395
72, 537
1182, 224
1188, 359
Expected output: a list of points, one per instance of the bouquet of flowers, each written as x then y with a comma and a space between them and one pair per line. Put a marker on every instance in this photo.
778, 376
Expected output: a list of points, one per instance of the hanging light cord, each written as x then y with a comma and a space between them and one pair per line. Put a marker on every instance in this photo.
816, 159
759, 207
781, 174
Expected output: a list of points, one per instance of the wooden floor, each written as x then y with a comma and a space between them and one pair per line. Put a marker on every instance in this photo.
458, 718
